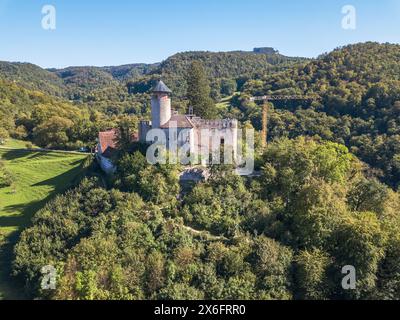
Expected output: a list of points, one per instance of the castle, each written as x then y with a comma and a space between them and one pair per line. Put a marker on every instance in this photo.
198, 135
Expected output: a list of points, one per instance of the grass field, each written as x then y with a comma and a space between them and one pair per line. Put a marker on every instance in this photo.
225, 103
38, 176
16, 144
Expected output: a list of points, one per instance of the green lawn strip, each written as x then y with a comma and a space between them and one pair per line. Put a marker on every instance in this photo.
16, 144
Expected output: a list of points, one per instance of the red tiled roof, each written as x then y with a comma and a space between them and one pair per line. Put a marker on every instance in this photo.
108, 142
181, 121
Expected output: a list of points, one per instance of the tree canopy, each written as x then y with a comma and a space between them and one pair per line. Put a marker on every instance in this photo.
284, 235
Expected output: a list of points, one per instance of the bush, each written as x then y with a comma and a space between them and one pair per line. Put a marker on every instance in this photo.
6, 177
3, 136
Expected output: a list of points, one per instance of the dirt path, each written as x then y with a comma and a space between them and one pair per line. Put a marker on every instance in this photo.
205, 233
44, 150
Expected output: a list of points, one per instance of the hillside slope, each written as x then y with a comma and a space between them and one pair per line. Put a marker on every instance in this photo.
38, 177
345, 79
76, 83
222, 65
359, 105
32, 77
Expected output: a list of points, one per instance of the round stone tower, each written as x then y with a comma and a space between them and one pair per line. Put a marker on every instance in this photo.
160, 105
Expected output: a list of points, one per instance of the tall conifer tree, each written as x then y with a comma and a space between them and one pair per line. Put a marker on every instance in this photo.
198, 92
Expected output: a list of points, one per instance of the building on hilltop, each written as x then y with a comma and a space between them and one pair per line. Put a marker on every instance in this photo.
107, 147
188, 129
265, 50
199, 135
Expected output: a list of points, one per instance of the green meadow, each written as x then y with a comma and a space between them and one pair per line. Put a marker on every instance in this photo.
17, 144
224, 104
37, 177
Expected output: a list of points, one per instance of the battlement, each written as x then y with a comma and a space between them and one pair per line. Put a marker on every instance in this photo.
215, 124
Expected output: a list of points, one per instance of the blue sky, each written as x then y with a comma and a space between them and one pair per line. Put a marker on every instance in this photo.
114, 32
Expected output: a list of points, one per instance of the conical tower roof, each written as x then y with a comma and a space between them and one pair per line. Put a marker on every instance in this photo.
161, 87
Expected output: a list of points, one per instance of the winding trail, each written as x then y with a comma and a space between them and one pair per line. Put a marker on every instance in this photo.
205, 233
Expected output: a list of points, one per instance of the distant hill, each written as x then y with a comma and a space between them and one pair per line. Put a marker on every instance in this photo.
100, 77
75, 83
83, 80
32, 77
266, 50
345, 79
131, 71
220, 65
226, 64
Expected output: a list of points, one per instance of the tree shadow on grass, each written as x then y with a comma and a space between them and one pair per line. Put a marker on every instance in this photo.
10, 288
40, 154
28, 154
77, 162
21, 214
13, 287
62, 181
14, 154
11, 221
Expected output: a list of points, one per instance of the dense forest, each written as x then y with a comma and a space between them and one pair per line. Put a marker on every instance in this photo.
284, 235
46, 120
327, 195
359, 103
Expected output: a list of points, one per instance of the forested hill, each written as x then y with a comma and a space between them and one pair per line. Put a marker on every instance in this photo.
77, 83
359, 90
227, 64
46, 120
32, 77
237, 65
346, 78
